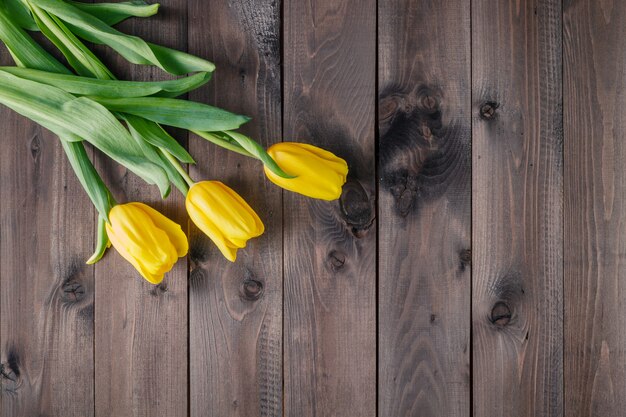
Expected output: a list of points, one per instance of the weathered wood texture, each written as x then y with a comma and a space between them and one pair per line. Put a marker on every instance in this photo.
141, 330
330, 248
364, 306
424, 208
517, 208
236, 308
46, 290
595, 208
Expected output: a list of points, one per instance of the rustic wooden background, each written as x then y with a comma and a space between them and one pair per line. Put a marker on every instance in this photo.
474, 265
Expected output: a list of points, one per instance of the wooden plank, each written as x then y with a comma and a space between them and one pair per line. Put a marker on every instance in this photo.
517, 208
330, 248
595, 208
424, 208
236, 308
141, 329
46, 290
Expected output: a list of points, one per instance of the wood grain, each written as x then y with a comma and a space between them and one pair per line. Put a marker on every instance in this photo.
46, 290
330, 248
236, 308
517, 294
141, 329
424, 209
595, 207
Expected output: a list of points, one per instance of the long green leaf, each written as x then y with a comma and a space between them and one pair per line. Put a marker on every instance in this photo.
88, 176
76, 118
178, 113
19, 14
109, 13
134, 49
84, 86
154, 154
102, 242
174, 175
155, 135
24, 49
114, 13
77, 54
29, 54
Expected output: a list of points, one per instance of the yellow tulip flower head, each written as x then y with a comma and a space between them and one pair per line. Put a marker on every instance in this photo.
151, 242
318, 173
223, 216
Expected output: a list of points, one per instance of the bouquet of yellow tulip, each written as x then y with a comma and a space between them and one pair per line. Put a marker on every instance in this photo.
124, 120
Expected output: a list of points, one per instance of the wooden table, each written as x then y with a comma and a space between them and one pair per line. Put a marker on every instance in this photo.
474, 265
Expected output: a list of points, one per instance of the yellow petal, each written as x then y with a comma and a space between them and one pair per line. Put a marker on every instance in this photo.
223, 215
121, 249
319, 173
208, 228
171, 228
149, 245
143, 243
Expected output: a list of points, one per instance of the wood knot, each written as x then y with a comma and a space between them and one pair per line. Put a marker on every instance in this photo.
35, 147
251, 289
425, 131
465, 256
388, 107
159, 289
336, 260
430, 103
73, 292
356, 207
488, 110
198, 249
10, 371
196, 277
501, 314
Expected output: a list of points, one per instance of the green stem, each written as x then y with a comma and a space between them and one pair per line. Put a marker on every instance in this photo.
178, 168
223, 143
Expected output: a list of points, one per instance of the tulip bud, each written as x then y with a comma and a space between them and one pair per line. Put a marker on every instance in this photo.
151, 242
223, 216
317, 172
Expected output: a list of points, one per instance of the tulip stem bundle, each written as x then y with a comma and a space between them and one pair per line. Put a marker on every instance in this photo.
124, 119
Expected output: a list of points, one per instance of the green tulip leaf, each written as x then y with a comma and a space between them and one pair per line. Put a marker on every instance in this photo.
154, 153
24, 49
154, 134
173, 174
71, 117
88, 176
77, 54
102, 242
19, 14
134, 49
114, 13
84, 86
174, 112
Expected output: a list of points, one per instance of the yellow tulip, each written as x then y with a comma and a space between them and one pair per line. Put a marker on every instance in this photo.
318, 173
223, 216
151, 242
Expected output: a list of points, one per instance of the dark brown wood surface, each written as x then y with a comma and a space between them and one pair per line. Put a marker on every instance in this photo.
472, 266
236, 308
424, 209
330, 248
141, 332
46, 290
517, 235
594, 97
